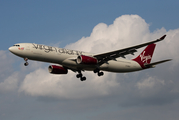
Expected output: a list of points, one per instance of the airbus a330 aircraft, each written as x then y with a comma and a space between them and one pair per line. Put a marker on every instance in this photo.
79, 61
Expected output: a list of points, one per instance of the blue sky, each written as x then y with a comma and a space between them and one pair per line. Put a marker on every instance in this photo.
45, 22
32, 93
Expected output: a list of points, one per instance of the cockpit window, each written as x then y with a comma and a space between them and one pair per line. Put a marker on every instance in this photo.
17, 45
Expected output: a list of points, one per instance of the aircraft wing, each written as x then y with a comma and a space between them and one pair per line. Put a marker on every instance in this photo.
104, 57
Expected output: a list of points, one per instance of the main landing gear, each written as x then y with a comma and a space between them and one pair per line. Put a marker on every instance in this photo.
80, 75
83, 78
26, 63
98, 72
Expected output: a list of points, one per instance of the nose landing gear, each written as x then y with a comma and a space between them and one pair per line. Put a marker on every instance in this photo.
26, 63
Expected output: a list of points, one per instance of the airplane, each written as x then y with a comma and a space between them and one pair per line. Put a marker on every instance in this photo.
79, 61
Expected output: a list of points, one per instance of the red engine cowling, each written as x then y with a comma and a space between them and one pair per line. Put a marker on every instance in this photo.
82, 59
54, 69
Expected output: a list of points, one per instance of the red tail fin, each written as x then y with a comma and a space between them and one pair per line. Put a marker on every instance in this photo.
146, 56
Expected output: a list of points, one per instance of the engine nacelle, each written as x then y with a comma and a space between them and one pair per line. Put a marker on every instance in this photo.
54, 69
82, 59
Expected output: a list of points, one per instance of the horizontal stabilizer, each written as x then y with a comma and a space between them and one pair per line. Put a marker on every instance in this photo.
155, 63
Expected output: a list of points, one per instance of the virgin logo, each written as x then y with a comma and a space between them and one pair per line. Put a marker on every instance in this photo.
145, 58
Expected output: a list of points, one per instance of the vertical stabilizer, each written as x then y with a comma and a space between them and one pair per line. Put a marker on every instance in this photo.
145, 57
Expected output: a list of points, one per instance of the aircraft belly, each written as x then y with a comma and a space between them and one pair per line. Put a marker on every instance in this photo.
122, 66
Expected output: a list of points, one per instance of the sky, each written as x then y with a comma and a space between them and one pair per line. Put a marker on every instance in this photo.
95, 26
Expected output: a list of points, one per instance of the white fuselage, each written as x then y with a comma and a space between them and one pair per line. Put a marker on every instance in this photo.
68, 58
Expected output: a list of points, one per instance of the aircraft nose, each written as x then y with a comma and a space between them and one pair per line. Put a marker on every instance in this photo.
10, 49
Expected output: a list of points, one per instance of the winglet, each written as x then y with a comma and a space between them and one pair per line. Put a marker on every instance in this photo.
160, 39
163, 37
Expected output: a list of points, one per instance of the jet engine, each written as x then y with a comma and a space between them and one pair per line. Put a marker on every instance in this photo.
54, 69
82, 59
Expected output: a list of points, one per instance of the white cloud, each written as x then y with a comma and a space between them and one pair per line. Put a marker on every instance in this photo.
6, 64
125, 31
41, 83
9, 79
150, 87
10, 83
149, 83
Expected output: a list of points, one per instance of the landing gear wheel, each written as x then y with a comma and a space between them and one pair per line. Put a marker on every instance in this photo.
79, 75
100, 73
26, 63
83, 78
96, 71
